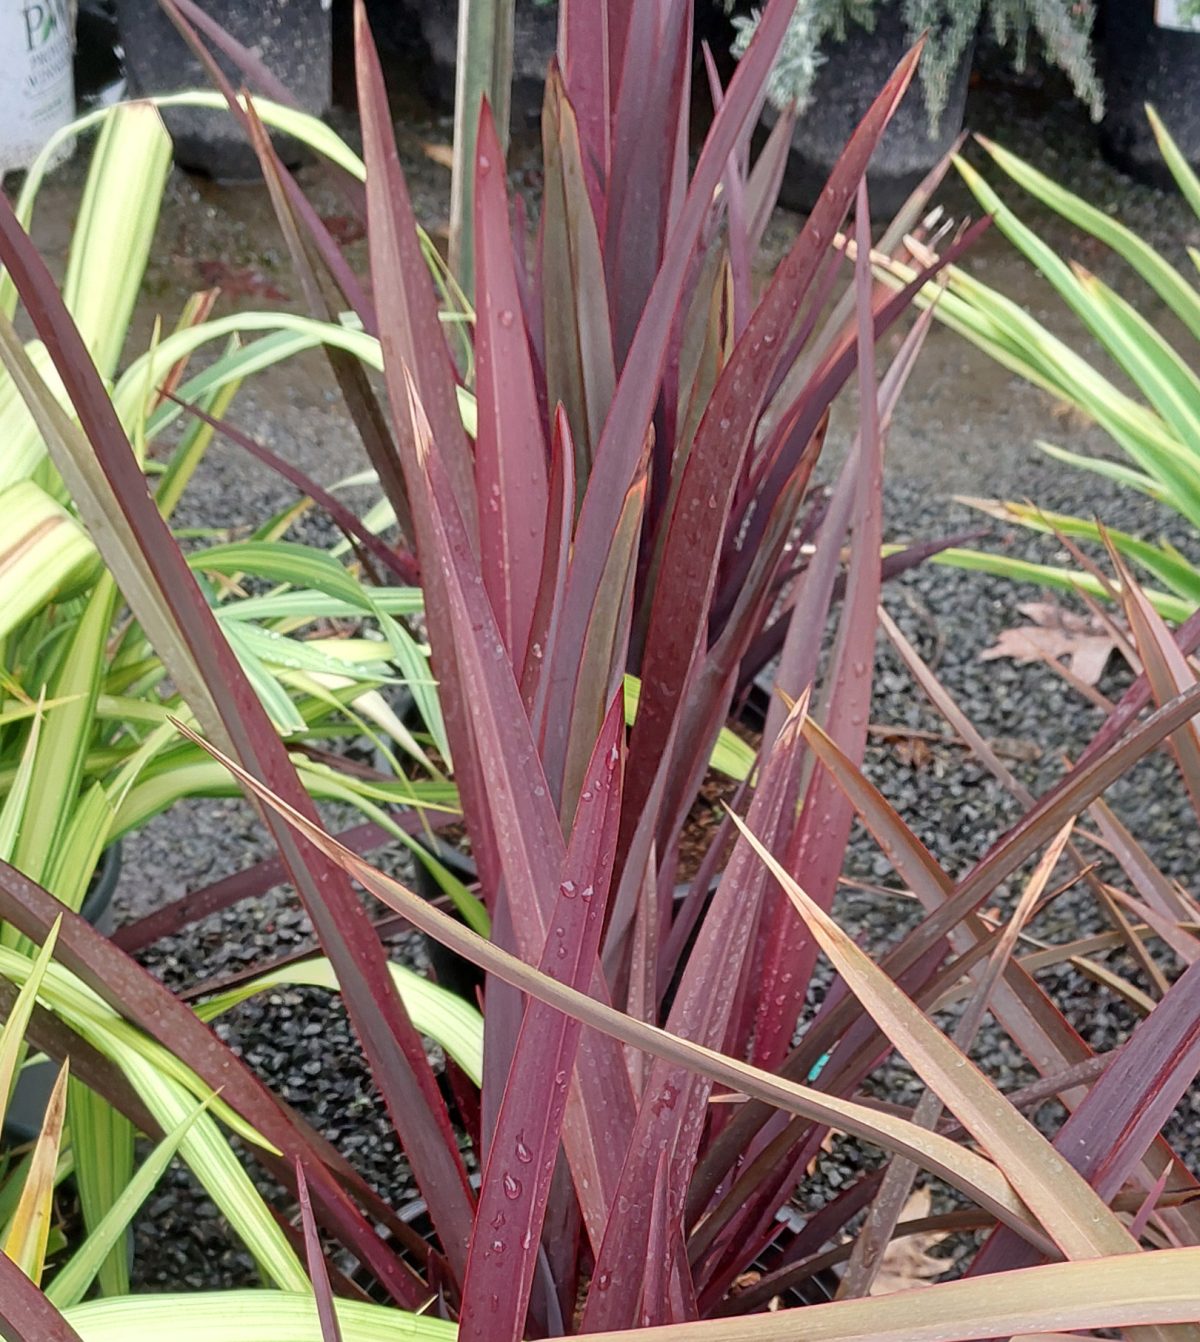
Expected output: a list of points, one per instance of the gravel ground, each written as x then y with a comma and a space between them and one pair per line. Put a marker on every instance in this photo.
300, 1042
965, 426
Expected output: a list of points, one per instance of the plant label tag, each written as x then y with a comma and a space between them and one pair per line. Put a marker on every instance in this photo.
1181, 16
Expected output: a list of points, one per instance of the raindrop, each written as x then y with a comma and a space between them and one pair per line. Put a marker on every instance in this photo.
498, 1221
524, 1154
568, 889
506, 319
498, 1246
512, 1187
587, 892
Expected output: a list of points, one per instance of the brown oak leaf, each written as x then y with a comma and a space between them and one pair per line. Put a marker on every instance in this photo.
1055, 634
907, 1262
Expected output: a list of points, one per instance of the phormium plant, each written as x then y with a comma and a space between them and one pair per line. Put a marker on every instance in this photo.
630, 497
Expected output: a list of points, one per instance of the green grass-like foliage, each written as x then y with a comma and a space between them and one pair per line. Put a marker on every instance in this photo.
1156, 425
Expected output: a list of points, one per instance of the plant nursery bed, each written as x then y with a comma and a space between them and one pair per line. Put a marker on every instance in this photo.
299, 1040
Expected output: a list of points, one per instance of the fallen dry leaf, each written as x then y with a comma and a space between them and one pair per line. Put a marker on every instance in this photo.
1055, 634
907, 1262
441, 154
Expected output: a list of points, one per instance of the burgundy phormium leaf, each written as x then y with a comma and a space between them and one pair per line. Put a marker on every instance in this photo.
674, 1104
400, 565
531, 845
510, 448
25, 1313
314, 1256
819, 839
525, 1141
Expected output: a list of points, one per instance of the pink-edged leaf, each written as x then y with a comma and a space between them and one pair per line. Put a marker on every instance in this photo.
601, 661
674, 1104
653, 89
315, 1257
524, 1144
410, 330
141, 999
1165, 897
819, 840
733, 185
528, 833
560, 513
766, 177
1138, 695
665, 1259
1116, 1125
310, 244
583, 56
411, 338
136, 541
510, 447
1185, 944
25, 1313
580, 372
629, 416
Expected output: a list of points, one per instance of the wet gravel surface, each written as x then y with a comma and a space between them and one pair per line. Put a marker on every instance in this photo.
299, 1040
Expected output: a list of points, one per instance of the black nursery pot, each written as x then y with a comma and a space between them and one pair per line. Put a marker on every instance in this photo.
293, 39
425, 32
1144, 63
846, 84
31, 1094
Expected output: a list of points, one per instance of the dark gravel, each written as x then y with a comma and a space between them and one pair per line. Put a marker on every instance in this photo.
300, 1042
